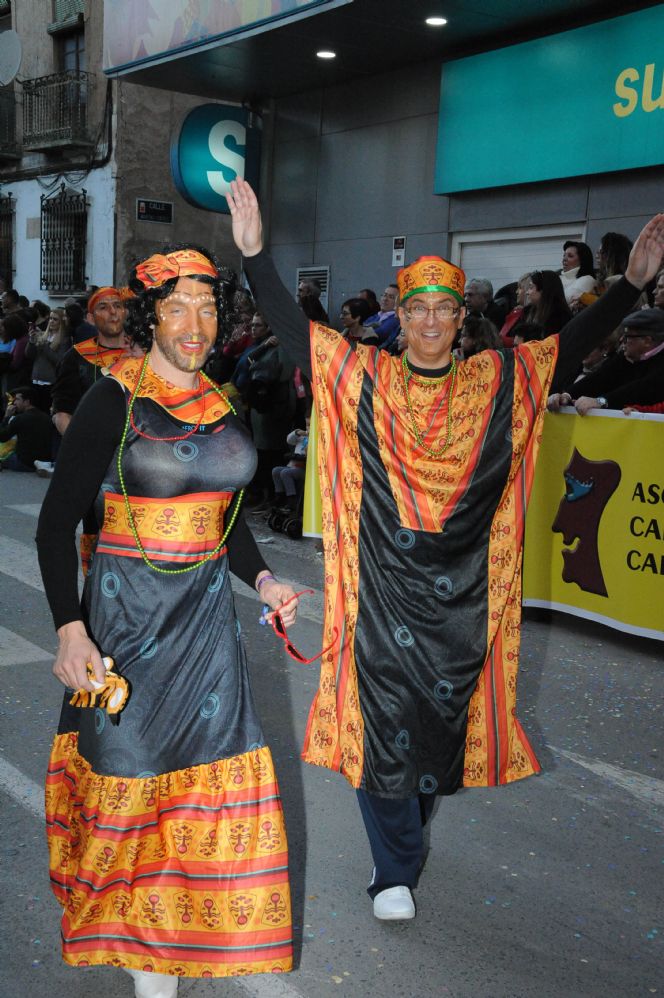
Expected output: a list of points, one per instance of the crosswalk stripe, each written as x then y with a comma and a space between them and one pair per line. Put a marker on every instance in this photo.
645, 788
28, 508
15, 650
20, 562
24, 790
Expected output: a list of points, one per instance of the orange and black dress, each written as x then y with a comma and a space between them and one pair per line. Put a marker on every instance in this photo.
422, 553
167, 842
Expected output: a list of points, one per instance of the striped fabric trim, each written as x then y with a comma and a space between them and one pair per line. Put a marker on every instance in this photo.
185, 873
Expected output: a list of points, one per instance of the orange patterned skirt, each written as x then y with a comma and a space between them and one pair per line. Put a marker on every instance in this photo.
184, 873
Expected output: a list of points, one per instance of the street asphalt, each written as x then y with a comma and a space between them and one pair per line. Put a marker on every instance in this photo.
552, 887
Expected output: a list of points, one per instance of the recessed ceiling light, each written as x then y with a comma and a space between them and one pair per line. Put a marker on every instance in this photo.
436, 22
326, 54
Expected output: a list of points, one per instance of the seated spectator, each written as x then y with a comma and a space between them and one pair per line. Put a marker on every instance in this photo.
32, 429
546, 298
46, 349
308, 298
526, 331
386, 321
517, 313
354, 312
578, 273
370, 297
596, 357
633, 376
479, 301
289, 478
478, 334
612, 257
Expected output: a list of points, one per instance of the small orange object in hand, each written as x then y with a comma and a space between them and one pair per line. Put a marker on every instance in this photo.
110, 696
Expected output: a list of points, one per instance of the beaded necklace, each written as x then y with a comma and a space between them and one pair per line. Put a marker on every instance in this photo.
130, 516
442, 380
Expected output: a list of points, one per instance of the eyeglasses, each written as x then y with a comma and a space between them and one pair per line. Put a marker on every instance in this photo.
420, 312
280, 630
633, 336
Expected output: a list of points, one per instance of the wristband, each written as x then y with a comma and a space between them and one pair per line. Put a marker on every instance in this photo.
264, 578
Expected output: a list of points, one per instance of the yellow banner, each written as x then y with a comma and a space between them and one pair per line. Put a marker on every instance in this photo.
594, 541
311, 514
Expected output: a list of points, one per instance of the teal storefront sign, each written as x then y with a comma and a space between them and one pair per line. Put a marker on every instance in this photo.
216, 144
585, 101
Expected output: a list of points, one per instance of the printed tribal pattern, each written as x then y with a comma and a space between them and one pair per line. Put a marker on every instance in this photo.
182, 529
425, 491
179, 402
96, 354
190, 867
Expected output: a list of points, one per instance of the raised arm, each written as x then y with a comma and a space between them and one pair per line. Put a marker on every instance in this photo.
289, 324
592, 325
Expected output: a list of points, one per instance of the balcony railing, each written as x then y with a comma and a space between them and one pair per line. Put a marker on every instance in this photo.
55, 110
8, 143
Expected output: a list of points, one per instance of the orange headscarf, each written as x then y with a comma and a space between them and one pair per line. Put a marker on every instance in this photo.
158, 269
431, 273
100, 293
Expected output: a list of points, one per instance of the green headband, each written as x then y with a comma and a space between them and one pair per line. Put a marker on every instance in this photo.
426, 288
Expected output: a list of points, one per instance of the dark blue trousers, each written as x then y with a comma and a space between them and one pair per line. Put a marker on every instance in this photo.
396, 835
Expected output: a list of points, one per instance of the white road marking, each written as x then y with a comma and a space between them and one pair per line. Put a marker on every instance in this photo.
25, 791
645, 788
29, 508
15, 650
20, 561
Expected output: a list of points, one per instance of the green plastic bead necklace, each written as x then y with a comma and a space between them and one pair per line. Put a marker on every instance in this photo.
130, 516
451, 377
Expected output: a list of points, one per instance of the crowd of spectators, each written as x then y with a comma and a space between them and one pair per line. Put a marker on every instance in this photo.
626, 372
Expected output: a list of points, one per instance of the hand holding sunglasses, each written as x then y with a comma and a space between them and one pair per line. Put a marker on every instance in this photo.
278, 621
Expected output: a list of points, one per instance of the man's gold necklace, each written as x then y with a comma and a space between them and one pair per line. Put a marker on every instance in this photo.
442, 380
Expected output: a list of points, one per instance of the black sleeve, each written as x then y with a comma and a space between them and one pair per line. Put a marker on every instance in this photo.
67, 389
615, 371
10, 427
287, 321
589, 328
244, 558
85, 454
643, 391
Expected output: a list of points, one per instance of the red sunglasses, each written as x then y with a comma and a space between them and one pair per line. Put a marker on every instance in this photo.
280, 630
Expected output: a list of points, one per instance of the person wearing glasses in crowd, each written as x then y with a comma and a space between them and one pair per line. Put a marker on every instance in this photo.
631, 376
166, 834
354, 312
425, 465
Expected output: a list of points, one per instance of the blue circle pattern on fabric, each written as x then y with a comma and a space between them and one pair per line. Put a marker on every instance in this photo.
210, 706
147, 774
216, 581
100, 720
149, 648
428, 784
404, 539
403, 739
254, 747
185, 450
443, 690
403, 637
110, 585
443, 587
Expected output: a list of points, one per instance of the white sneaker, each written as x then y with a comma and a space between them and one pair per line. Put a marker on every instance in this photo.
44, 468
154, 985
394, 904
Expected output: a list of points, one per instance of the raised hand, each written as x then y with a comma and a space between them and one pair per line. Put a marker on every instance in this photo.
647, 253
246, 218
